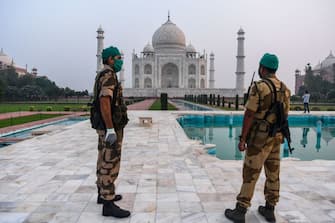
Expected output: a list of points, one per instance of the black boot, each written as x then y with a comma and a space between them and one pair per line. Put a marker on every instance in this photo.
100, 200
110, 209
268, 212
237, 215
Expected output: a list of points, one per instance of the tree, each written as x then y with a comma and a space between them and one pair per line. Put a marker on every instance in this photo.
32, 93
2, 89
12, 93
331, 95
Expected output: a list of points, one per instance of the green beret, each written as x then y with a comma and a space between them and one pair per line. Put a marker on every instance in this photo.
270, 61
110, 52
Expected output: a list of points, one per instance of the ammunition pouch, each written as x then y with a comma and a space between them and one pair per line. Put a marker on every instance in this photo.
95, 116
119, 116
258, 134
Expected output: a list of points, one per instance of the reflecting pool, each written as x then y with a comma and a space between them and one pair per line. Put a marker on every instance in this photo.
312, 136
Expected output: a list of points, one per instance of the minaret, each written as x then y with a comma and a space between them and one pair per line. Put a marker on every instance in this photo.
240, 63
211, 71
100, 47
122, 71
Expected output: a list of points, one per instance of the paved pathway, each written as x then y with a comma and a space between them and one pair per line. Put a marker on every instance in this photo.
164, 178
16, 114
142, 105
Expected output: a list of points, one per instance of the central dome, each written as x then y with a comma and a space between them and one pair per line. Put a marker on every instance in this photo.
168, 36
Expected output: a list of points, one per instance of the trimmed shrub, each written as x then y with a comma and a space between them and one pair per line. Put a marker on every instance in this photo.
316, 109
49, 108
84, 108
297, 108
330, 109
164, 101
32, 108
67, 108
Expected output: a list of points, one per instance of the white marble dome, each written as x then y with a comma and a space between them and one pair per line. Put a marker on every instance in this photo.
329, 61
190, 48
168, 36
148, 48
5, 59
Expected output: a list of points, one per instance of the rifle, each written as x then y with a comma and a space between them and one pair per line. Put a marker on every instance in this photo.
247, 95
285, 130
281, 123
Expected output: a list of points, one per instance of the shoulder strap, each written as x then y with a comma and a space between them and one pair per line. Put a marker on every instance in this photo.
116, 89
97, 82
273, 90
259, 96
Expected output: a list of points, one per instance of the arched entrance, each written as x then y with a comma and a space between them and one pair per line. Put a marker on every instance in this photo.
170, 76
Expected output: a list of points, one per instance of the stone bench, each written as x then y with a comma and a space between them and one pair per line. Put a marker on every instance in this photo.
145, 121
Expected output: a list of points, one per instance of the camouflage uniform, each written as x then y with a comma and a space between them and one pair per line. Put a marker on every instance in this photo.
108, 164
263, 151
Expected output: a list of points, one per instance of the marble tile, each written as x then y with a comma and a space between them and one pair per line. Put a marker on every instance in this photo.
169, 197
190, 206
13, 217
68, 217
143, 218
167, 206
39, 217
188, 196
168, 217
294, 216
144, 206
145, 197
193, 217
90, 217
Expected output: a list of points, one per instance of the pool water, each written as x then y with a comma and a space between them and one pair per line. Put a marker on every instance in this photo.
27, 132
312, 136
185, 105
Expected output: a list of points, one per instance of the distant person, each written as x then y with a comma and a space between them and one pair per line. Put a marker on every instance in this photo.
303, 141
262, 146
306, 97
114, 118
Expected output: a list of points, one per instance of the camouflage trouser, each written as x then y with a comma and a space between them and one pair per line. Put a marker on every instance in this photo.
108, 165
255, 158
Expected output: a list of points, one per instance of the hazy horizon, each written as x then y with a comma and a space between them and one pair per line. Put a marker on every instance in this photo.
59, 37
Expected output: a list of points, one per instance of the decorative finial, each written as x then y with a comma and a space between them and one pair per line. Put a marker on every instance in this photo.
168, 15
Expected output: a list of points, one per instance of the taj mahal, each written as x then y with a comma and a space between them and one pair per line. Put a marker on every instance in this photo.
168, 65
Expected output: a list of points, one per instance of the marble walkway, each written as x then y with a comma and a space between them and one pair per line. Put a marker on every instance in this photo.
164, 178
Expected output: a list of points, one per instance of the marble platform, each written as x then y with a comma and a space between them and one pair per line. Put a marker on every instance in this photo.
164, 178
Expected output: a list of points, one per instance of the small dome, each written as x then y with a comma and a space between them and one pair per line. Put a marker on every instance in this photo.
5, 59
190, 48
240, 31
148, 48
100, 29
329, 61
168, 36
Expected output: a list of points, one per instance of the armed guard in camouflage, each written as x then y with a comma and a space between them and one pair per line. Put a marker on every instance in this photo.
261, 139
111, 109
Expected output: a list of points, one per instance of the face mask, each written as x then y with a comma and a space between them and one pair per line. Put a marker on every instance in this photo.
117, 65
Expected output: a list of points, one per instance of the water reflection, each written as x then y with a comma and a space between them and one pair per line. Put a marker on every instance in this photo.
318, 135
285, 149
304, 141
238, 153
311, 136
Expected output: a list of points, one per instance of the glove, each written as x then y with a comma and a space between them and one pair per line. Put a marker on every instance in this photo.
110, 136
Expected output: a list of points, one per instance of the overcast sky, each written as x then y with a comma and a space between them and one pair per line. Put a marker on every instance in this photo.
59, 37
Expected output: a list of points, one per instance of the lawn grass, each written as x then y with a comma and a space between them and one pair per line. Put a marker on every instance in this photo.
14, 107
26, 119
157, 106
